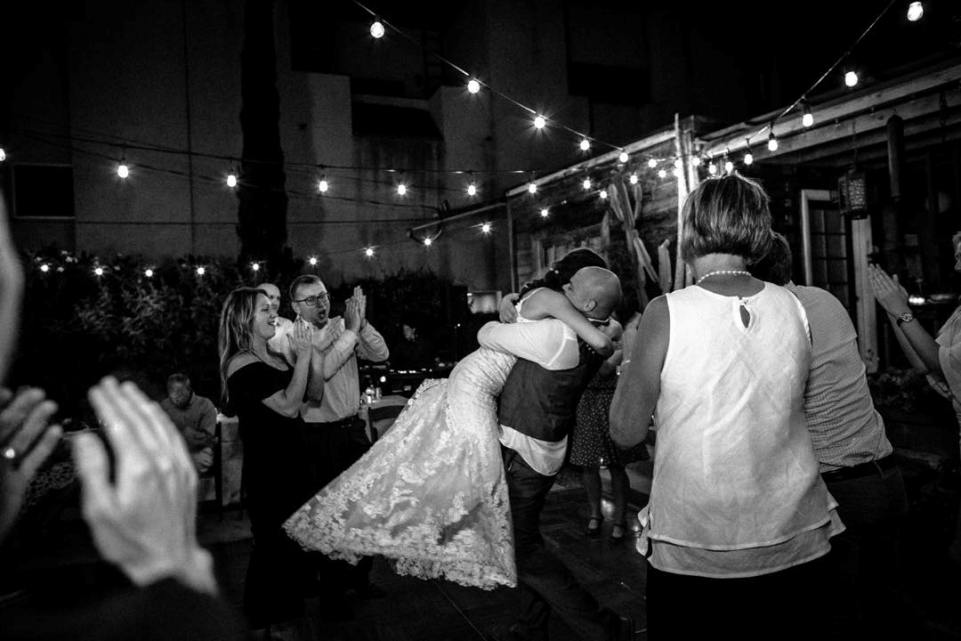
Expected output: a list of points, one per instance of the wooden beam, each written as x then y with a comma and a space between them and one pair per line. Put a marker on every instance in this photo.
733, 138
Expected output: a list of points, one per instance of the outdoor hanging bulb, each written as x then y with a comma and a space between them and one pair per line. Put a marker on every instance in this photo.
623, 157
323, 186
603, 194
255, 267
585, 144
486, 228
532, 188
313, 261
45, 268
98, 271
123, 170
201, 271
652, 163
696, 161
472, 189
748, 156
539, 122
633, 179
850, 78
148, 273
427, 242
545, 212
3, 154
586, 184
369, 252
712, 168
772, 140
473, 86
728, 166
808, 118
661, 173
915, 11
377, 29
401, 189
231, 180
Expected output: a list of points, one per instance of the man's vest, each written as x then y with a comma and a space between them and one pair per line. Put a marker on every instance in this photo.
541, 403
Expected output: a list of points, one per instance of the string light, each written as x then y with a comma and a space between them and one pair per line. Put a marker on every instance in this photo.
539, 122
98, 271
44, 268
661, 173
3, 154
545, 212
586, 184
323, 186
377, 29
585, 144
603, 194
808, 118
401, 189
123, 170
472, 189
652, 163
369, 252
313, 261
850, 78
633, 179
201, 271
428, 242
532, 187
748, 156
623, 157
486, 228
696, 161
915, 11
473, 86
255, 267
712, 168
772, 140
728, 166
148, 273
231, 180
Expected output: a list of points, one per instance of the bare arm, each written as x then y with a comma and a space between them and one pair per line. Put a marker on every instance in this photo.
544, 303
640, 384
288, 401
894, 300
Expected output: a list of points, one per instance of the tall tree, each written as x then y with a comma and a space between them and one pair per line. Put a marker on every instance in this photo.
262, 210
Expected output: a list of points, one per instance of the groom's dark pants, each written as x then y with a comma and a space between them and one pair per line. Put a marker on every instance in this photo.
544, 582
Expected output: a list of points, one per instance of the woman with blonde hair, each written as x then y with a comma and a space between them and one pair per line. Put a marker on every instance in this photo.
266, 395
739, 519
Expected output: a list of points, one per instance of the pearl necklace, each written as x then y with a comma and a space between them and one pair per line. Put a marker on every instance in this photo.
720, 272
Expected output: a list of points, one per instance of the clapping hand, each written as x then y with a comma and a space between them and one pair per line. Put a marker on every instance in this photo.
300, 337
361, 299
26, 440
144, 520
888, 292
353, 315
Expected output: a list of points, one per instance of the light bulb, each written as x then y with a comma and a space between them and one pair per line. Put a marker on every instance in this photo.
3, 154
603, 194
696, 161
585, 144
586, 184
231, 180
652, 163
148, 273
255, 267
771, 142
915, 11
323, 186
661, 173
678, 163
201, 271
369, 252
401, 189
45, 268
808, 118
539, 122
123, 170
712, 168
313, 261
473, 86
623, 157
633, 179
851, 78
532, 188
98, 271
486, 228
545, 212
748, 158
427, 242
728, 166
377, 29
472, 189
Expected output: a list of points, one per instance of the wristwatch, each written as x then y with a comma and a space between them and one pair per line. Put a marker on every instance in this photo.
906, 317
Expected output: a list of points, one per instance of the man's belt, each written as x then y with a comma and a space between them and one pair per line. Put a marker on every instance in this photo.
862, 469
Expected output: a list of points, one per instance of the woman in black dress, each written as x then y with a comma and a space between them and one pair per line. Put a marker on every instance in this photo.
266, 395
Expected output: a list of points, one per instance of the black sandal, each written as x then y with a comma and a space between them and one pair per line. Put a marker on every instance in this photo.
594, 526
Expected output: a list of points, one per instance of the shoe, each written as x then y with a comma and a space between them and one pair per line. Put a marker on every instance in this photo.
619, 532
594, 527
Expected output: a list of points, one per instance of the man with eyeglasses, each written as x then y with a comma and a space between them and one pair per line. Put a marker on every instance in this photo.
335, 435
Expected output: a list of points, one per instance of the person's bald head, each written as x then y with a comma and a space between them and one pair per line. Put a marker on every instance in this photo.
273, 295
595, 291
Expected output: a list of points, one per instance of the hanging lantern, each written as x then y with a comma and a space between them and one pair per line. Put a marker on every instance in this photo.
853, 194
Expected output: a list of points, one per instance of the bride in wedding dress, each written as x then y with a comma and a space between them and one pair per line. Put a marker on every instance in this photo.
431, 494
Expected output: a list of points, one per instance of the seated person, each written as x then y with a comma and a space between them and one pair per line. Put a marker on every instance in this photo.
413, 352
194, 416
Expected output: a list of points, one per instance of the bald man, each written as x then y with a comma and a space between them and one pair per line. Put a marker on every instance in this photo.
536, 413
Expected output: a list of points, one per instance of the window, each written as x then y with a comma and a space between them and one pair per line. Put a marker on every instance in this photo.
43, 191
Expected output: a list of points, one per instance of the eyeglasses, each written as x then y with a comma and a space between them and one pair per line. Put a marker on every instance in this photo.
313, 301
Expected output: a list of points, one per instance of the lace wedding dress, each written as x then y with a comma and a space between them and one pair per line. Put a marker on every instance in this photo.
431, 494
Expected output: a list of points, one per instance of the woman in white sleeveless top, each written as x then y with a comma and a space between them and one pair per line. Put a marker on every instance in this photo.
738, 513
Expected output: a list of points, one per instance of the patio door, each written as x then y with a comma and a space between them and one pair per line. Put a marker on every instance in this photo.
836, 253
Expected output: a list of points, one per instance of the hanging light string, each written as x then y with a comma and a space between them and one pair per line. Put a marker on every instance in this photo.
532, 112
844, 56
